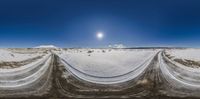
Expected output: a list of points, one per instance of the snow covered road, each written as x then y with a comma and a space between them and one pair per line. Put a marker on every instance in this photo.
183, 80
111, 73
26, 79
108, 68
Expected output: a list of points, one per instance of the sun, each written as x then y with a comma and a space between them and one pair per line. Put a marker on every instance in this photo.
100, 35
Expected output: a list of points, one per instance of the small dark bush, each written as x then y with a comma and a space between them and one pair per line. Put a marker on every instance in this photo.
89, 51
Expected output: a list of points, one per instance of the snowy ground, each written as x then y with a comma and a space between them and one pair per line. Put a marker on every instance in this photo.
7, 55
189, 57
24, 71
190, 54
107, 63
89, 73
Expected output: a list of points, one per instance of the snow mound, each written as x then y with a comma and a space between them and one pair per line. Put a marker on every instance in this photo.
117, 46
46, 46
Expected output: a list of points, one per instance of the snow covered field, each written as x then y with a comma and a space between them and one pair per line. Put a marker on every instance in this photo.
106, 65
188, 57
190, 54
89, 73
7, 55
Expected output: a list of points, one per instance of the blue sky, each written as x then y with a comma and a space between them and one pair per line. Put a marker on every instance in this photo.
74, 23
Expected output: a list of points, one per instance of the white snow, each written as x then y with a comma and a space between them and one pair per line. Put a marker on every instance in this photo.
108, 64
24, 80
191, 54
179, 76
8, 56
24, 76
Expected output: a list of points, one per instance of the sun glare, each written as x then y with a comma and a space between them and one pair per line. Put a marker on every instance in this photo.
100, 35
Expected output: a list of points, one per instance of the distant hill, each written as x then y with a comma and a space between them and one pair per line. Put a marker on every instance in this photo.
117, 46
46, 46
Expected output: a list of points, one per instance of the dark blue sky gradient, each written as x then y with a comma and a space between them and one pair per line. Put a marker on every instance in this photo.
74, 23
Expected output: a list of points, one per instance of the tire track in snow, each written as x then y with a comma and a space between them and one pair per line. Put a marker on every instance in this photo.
176, 76
112, 79
27, 85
